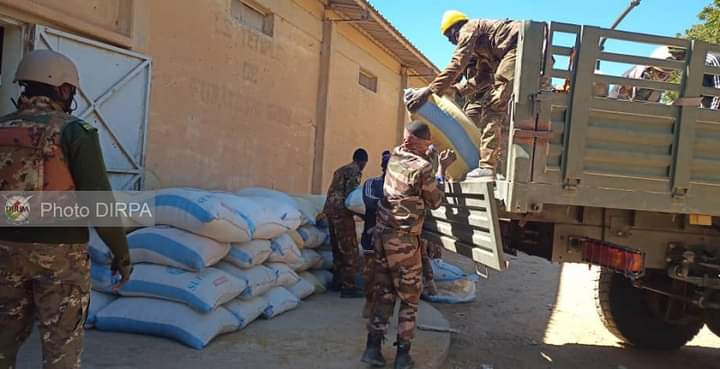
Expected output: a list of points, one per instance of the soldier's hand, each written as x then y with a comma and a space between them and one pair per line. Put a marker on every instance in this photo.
417, 99
447, 157
124, 269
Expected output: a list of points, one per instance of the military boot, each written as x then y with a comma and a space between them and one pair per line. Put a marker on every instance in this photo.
403, 359
373, 351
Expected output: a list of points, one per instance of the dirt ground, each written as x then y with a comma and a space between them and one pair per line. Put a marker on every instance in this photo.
542, 315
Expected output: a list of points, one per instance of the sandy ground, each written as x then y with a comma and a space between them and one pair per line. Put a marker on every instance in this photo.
542, 315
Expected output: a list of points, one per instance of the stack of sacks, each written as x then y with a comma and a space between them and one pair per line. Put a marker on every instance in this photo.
216, 262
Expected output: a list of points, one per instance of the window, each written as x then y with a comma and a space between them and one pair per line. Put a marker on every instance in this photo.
253, 16
368, 80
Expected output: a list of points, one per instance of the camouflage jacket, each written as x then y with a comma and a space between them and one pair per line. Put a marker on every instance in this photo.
410, 188
72, 160
488, 41
344, 181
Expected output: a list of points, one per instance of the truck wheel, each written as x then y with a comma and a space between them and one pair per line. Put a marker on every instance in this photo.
639, 317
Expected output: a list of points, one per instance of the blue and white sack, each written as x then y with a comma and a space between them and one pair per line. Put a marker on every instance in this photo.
302, 289
313, 236
246, 311
174, 247
102, 278
285, 276
203, 291
284, 250
98, 301
327, 260
307, 213
311, 260
318, 285
99, 252
271, 217
325, 277
260, 279
453, 285
205, 213
280, 300
249, 254
165, 319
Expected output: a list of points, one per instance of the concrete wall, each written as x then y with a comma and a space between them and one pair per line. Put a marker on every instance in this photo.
232, 107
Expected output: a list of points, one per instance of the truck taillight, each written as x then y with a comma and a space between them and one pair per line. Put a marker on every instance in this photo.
618, 258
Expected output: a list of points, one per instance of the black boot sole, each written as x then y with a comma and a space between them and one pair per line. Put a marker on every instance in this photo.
374, 363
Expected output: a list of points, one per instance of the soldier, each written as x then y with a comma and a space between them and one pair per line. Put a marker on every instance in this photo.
493, 43
343, 235
44, 272
410, 189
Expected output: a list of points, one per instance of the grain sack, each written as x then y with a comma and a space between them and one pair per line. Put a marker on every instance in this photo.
307, 209
271, 217
444, 272
203, 291
280, 300
285, 276
99, 252
307, 213
318, 285
165, 319
311, 260
325, 277
327, 260
284, 250
98, 301
451, 129
313, 237
355, 201
174, 247
302, 289
102, 278
454, 292
205, 213
248, 254
246, 311
260, 279
297, 238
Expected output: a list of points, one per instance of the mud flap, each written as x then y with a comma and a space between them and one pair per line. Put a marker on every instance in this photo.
467, 223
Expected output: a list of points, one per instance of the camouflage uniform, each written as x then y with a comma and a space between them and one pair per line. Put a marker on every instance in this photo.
50, 282
492, 43
343, 234
410, 188
44, 272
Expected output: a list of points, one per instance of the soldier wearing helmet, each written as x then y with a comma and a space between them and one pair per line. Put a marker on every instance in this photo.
45, 271
492, 45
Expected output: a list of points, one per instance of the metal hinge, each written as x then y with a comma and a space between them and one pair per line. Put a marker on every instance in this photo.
679, 192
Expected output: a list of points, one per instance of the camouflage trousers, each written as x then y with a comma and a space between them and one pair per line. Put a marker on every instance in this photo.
489, 112
343, 239
396, 274
49, 282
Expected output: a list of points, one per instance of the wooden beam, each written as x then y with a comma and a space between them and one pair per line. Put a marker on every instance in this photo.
321, 114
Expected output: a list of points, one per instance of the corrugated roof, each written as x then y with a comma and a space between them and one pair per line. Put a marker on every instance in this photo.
369, 21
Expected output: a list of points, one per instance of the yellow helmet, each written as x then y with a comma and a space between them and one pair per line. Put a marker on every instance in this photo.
450, 18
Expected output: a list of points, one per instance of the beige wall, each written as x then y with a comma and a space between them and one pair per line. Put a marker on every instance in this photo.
231, 107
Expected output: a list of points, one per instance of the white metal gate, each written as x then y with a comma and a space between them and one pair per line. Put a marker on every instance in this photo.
113, 96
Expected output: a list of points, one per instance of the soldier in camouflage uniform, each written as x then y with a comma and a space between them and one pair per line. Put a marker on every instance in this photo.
493, 43
44, 272
410, 189
343, 235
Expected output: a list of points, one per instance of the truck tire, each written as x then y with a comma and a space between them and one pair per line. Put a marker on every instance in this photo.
628, 313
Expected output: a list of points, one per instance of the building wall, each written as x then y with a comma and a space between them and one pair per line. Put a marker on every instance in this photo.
232, 107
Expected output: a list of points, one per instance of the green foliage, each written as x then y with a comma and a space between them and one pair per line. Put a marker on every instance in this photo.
709, 29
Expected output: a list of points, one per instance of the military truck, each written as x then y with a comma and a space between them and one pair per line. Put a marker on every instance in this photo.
630, 186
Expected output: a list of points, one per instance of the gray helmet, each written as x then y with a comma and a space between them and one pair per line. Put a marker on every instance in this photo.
49, 67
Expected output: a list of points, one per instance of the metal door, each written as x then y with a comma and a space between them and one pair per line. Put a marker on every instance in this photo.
113, 96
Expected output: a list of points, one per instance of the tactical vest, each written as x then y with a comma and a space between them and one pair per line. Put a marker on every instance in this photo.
31, 158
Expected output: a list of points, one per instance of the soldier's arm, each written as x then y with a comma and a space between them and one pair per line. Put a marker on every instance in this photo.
82, 151
458, 63
431, 192
352, 181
